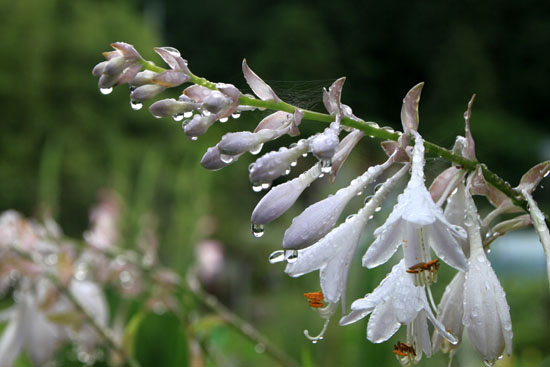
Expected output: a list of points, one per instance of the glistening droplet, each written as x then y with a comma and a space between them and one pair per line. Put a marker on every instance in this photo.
326, 165
277, 257
257, 230
188, 114
136, 105
291, 256
105, 91
224, 119
178, 117
236, 115
257, 149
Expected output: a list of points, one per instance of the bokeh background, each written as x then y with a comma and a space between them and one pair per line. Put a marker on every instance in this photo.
61, 141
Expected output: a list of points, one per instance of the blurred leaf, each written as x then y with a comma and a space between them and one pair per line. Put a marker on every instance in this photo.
130, 332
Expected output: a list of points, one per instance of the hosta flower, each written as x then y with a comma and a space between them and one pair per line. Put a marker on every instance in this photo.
417, 224
450, 313
318, 219
398, 301
486, 312
332, 255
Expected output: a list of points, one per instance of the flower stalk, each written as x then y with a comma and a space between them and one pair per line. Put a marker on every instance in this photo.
370, 129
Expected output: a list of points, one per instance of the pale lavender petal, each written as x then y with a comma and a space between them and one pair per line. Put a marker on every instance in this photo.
354, 316
171, 78
422, 333
409, 110
446, 246
258, 86
275, 121
530, 180
385, 245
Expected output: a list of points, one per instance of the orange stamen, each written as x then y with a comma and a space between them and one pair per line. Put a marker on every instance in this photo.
315, 299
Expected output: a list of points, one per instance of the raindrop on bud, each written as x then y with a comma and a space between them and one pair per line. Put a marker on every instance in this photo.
291, 256
105, 91
136, 105
178, 117
277, 257
224, 119
236, 115
257, 230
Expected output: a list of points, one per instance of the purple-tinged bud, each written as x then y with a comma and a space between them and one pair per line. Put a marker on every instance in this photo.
98, 69
197, 93
129, 74
114, 66
216, 102
212, 159
146, 92
198, 125
107, 81
242, 141
274, 164
318, 219
324, 145
331, 98
281, 197
143, 77
171, 78
275, 121
127, 50
171, 107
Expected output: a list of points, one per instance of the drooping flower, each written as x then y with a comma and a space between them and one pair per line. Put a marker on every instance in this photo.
398, 301
417, 224
333, 253
486, 312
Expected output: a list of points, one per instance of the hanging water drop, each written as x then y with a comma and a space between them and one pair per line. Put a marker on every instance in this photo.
257, 188
236, 115
293, 163
106, 91
257, 230
257, 149
359, 193
266, 186
277, 257
287, 171
188, 114
304, 154
194, 138
224, 119
368, 199
350, 217
136, 105
377, 209
178, 117
250, 167
226, 158
206, 113
291, 256
326, 165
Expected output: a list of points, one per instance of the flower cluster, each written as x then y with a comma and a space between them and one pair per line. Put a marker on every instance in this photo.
442, 217
56, 285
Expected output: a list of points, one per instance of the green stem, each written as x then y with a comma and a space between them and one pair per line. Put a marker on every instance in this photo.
374, 131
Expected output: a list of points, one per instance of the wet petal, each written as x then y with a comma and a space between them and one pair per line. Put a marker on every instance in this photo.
409, 110
382, 323
258, 86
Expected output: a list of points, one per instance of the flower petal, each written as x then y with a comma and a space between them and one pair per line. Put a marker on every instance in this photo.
258, 86
382, 323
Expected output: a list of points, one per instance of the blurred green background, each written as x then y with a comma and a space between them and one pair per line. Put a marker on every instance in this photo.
61, 140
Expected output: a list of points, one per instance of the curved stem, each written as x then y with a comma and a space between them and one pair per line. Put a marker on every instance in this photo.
374, 131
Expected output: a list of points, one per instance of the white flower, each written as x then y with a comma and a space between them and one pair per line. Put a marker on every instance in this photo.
417, 224
395, 302
450, 313
486, 312
28, 330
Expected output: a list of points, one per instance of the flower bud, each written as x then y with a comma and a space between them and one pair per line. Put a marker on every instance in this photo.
143, 77
274, 164
171, 78
98, 69
171, 107
198, 125
212, 160
114, 66
324, 145
215, 102
242, 141
146, 92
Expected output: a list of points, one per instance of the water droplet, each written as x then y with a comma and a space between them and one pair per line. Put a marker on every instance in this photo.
250, 167
546, 174
105, 91
481, 258
205, 113
321, 175
178, 117
236, 115
188, 114
266, 186
489, 362
293, 163
326, 166
350, 217
257, 230
194, 138
85, 357
257, 188
259, 348
388, 129
304, 155
287, 171
225, 158
224, 119
314, 341
359, 193
377, 209
257, 149
291, 256
126, 279
81, 272
378, 187
136, 105
277, 257
368, 199
51, 259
